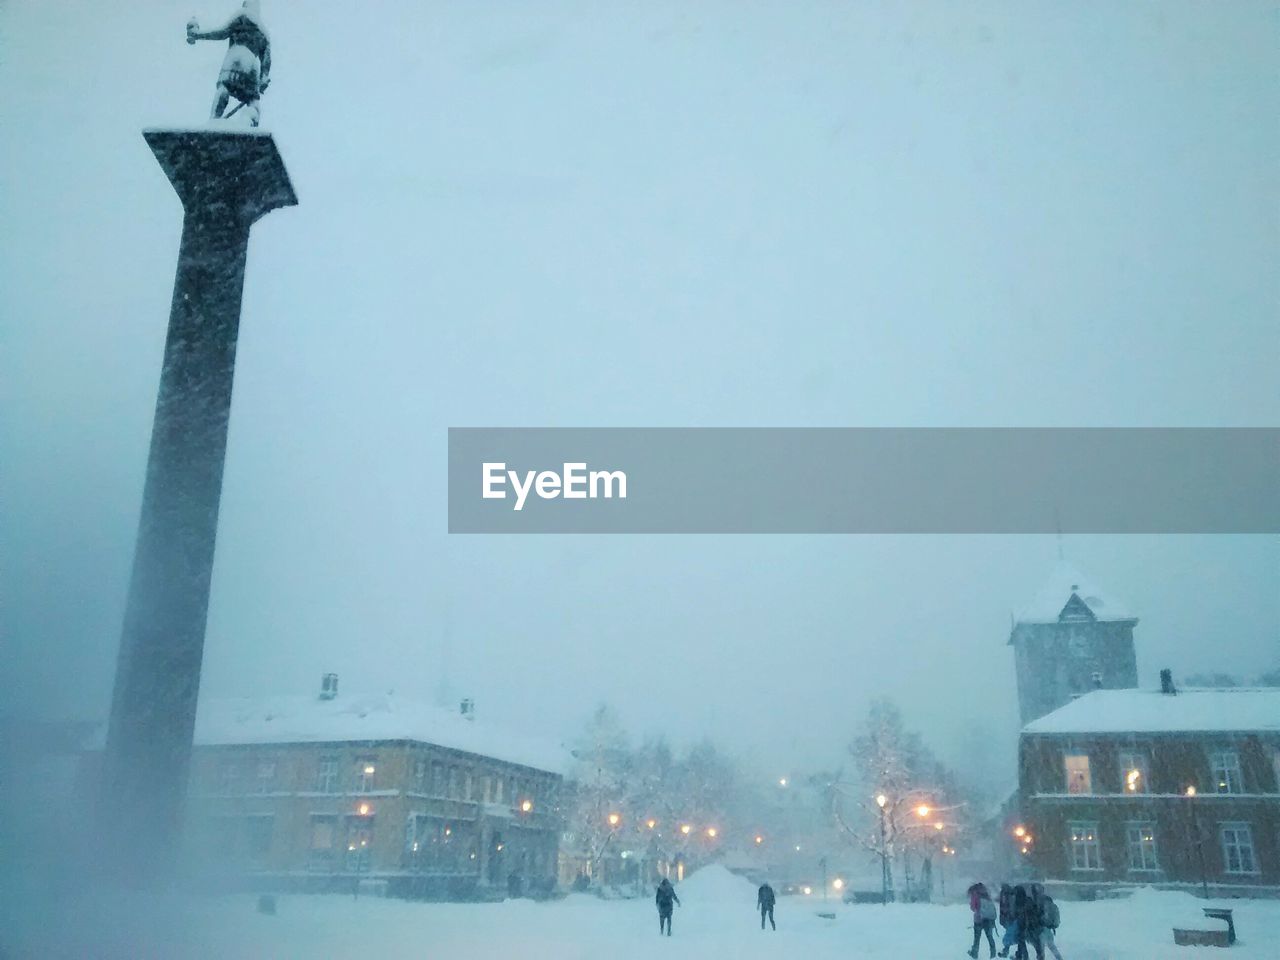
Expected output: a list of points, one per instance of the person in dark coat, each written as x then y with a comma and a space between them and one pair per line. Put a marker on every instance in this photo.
984, 918
1026, 911
1050, 917
765, 899
666, 899
1007, 919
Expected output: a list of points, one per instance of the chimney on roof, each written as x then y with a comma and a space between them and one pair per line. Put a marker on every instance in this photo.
328, 686
1166, 682
467, 708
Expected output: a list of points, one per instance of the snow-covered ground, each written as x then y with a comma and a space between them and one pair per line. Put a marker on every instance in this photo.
717, 919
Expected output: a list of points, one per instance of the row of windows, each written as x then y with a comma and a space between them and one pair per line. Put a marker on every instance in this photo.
432, 778
1236, 840
1226, 775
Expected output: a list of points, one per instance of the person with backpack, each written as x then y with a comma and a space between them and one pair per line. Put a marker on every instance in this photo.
1026, 911
1049, 920
765, 899
984, 918
666, 899
1007, 920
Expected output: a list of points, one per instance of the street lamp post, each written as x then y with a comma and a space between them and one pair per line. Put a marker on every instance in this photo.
1195, 826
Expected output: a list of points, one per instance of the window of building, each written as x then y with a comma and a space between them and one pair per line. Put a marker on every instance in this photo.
1275, 767
1237, 848
497, 789
229, 776
366, 774
1077, 770
258, 831
1134, 772
359, 843
1086, 849
437, 779
420, 774
1227, 777
324, 828
327, 775
453, 781
266, 778
1141, 841
468, 785
222, 837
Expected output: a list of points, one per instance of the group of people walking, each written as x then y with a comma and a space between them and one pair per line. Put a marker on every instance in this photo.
667, 900
1027, 914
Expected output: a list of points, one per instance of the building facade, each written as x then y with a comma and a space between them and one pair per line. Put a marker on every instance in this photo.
1169, 788
409, 799
1069, 640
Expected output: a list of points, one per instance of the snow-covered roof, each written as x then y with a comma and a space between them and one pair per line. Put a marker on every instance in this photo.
1066, 582
221, 722
1239, 709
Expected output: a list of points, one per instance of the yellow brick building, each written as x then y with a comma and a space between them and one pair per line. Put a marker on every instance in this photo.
332, 793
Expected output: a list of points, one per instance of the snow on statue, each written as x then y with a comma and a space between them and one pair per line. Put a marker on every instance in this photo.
246, 68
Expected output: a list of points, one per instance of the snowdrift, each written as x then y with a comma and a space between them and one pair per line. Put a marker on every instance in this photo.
715, 884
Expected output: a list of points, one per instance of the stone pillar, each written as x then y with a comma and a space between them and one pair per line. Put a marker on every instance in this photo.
226, 180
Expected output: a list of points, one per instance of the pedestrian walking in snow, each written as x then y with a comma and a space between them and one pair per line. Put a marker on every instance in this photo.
666, 899
1007, 919
984, 918
765, 900
1026, 911
1049, 920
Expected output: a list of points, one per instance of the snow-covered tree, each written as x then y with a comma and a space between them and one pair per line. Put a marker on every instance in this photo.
899, 802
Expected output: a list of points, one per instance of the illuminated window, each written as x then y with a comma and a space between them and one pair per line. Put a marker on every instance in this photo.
327, 775
1141, 841
1086, 850
1077, 770
1226, 771
1134, 773
1237, 848
359, 843
366, 774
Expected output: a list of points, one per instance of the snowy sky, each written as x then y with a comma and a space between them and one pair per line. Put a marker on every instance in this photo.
638, 214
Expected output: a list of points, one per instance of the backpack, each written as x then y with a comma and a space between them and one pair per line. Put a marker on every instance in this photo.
986, 910
1049, 913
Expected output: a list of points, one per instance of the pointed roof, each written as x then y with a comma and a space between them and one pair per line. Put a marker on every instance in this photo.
1069, 595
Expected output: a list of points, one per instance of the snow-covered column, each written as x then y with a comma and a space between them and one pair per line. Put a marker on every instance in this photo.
226, 180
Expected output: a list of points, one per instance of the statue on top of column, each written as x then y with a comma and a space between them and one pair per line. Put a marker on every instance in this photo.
246, 69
